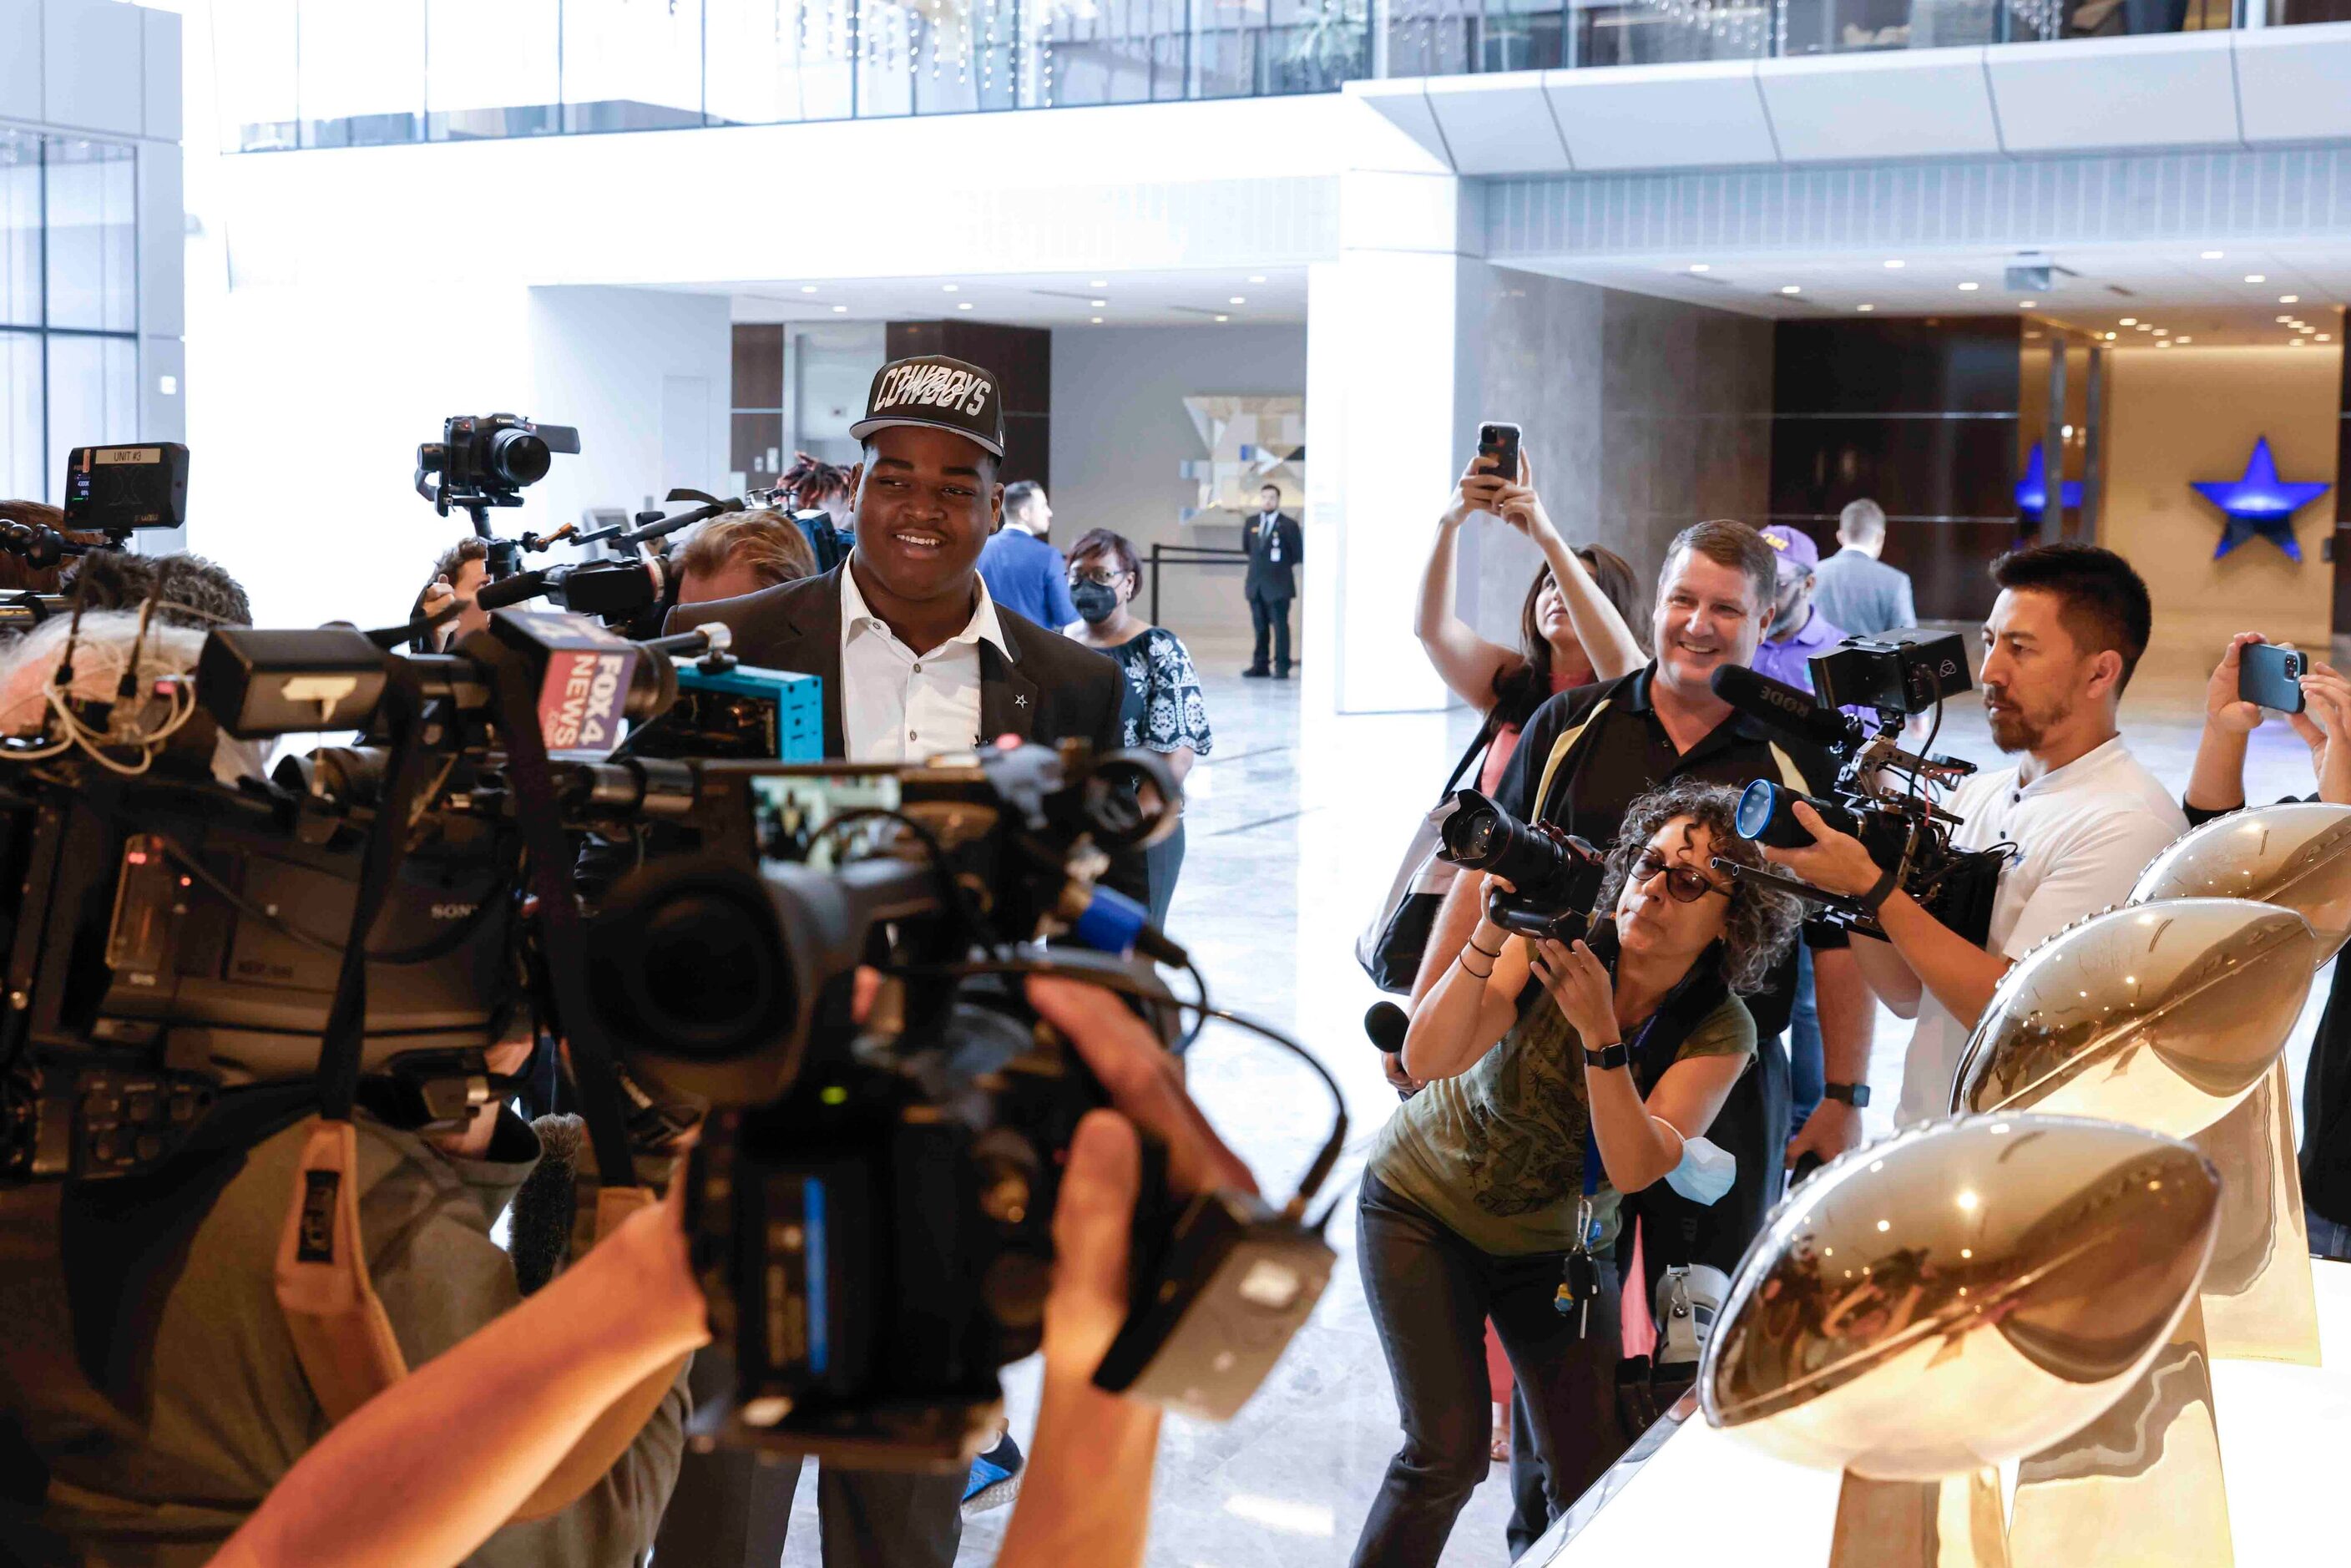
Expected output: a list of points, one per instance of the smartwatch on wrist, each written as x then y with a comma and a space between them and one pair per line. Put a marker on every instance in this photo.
1616, 1055
1854, 1094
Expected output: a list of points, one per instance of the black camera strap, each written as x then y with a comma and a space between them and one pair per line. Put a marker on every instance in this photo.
562, 944
341, 1046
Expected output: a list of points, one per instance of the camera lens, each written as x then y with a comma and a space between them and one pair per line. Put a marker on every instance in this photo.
1758, 804
1481, 836
693, 973
518, 456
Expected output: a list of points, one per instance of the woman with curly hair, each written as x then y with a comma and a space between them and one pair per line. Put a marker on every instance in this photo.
1560, 1076
1168, 714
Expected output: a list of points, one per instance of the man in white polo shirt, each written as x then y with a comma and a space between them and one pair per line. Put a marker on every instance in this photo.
2085, 816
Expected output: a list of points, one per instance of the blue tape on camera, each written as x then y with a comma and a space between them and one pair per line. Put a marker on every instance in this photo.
796, 702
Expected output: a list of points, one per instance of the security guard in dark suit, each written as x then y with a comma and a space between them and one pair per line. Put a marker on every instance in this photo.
1275, 544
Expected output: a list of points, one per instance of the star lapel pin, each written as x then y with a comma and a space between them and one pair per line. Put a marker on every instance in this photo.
1019, 702
2259, 502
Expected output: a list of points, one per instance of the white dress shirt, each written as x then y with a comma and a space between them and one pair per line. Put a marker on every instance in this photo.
2083, 832
899, 705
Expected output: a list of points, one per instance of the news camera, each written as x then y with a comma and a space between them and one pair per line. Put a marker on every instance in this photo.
870, 1203
1554, 876
1883, 796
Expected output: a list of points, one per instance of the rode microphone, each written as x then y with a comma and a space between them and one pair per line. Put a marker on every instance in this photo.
1786, 708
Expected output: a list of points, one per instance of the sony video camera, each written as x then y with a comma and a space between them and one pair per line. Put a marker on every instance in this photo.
1883, 794
1555, 876
870, 1203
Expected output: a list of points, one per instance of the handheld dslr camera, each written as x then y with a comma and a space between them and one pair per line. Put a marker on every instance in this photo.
1554, 875
1883, 792
870, 1203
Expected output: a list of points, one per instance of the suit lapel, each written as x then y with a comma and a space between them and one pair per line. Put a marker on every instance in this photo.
1008, 699
812, 643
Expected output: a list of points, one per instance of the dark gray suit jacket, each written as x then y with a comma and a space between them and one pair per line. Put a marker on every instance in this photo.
1269, 578
1049, 689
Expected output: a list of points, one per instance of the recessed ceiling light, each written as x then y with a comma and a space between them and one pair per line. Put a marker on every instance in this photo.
963, 305
2144, 327
1224, 317
1098, 320
1257, 277
1865, 306
1098, 304
2110, 336
1098, 283
2257, 277
2211, 255
808, 288
1236, 300
841, 309
2127, 321
2163, 331
1898, 264
1700, 267
1969, 288
950, 287
1792, 288
2183, 340
2289, 298
2285, 321
2165, 344
2326, 337
2026, 304
2296, 343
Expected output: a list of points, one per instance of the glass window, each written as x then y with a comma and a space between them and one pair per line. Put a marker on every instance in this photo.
629, 66
93, 225
20, 228
21, 479
93, 394
778, 60
362, 72
491, 67
252, 59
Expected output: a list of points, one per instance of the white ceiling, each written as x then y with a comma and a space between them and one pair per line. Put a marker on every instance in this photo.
2209, 297
1195, 298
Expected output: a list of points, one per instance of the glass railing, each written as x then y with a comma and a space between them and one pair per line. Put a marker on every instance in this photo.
329, 73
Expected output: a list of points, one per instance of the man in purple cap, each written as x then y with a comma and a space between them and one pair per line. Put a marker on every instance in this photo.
1799, 634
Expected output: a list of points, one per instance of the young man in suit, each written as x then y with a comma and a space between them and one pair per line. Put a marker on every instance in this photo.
1275, 544
916, 660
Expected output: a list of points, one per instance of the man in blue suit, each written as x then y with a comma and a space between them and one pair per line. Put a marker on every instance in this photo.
1023, 573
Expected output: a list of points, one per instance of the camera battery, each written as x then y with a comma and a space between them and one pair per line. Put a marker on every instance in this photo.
1234, 1285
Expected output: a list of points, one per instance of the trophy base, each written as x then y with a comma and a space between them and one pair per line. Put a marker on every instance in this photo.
2259, 1304
1951, 1524
2142, 1483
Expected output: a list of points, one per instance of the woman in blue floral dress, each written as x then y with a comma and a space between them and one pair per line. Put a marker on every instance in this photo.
1174, 721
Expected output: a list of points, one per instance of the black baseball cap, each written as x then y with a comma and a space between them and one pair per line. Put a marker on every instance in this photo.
938, 393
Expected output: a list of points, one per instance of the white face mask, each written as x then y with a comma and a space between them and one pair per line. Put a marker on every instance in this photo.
1705, 1172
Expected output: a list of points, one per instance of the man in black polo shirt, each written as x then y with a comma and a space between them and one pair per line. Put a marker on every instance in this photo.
1601, 745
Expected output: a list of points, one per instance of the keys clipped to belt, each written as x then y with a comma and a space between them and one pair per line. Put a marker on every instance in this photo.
1579, 1284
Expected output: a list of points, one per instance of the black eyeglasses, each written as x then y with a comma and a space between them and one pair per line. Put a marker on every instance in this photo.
1685, 884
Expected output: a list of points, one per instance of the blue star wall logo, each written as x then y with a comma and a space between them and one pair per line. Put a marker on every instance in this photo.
2032, 490
2259, 503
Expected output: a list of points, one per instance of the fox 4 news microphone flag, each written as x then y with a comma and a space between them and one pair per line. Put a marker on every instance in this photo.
586, 686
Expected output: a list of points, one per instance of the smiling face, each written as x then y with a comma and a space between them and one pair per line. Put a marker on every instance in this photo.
1650, 920
1708, 615
926, 501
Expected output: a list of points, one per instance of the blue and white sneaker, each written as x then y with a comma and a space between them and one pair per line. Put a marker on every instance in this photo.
995, 1477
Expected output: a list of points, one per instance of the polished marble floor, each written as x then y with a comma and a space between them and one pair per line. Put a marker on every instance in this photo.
1295, 826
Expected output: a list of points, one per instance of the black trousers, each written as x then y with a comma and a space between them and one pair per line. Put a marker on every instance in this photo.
1269, 615
731, 1510
1430, 1293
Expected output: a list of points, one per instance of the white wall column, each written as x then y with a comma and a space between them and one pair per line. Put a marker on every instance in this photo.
1395, 346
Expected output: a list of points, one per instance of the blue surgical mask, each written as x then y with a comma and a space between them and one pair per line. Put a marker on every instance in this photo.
1705, 1172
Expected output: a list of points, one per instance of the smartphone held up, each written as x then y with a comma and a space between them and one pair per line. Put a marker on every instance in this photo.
2270, 675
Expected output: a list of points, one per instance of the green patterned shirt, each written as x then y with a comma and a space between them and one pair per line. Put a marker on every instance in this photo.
1497, 1152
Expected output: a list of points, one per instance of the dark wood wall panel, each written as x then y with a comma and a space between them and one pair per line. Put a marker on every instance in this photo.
1920, 415
1022, 359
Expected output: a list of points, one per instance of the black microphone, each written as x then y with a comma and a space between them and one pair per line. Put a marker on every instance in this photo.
1786, 708
1387, 1024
